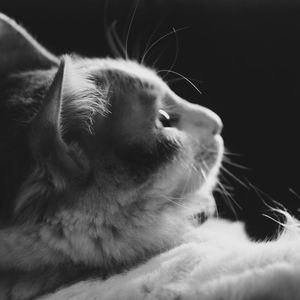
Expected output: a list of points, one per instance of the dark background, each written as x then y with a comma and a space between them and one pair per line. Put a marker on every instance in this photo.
244, 57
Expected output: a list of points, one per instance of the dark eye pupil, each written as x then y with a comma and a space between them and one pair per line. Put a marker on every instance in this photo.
164, 118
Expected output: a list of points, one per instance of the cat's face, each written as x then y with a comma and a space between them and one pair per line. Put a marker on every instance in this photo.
111, 133
151, 143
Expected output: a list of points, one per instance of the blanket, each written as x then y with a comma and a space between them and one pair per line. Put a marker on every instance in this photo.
216, 261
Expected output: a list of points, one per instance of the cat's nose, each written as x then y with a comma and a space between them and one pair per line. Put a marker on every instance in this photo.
203, 118
195, 119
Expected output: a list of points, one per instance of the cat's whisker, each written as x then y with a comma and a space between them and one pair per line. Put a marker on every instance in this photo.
174, 80
203, 174
176, 54
129, 29
149, 41
136, 46
234, 177
181, 198
294, 193
111, 35
209, 150
194, 168
281, 211
228, 199
157, 59
227, 190
184, 77
117, 41
216, 208
217, 216
228, 161
259, 194
227, 185
191, 168
180, 205
283, 225
205, 165
230, 153
172, 200
107, 31
111, 43
160, 39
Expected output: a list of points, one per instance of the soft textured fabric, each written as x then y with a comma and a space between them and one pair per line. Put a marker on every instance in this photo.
217, 261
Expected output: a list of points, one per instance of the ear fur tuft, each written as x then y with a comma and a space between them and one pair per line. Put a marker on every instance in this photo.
82, 100
46, 138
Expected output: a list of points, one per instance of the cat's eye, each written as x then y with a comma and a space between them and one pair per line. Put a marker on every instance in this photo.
164, 118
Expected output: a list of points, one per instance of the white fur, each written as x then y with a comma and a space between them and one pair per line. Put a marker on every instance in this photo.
216, 261
82, 100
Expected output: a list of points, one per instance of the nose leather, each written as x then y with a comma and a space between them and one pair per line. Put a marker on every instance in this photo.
200, 121
204, 118
195, 119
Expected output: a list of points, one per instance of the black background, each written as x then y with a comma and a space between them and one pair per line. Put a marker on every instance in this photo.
244, 57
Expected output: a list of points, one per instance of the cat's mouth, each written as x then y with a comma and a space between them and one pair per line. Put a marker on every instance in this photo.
210, 155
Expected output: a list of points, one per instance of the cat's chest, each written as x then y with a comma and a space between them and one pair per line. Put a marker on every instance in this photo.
90, 239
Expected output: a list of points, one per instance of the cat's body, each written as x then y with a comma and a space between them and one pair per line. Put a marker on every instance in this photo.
103, 168
92, 181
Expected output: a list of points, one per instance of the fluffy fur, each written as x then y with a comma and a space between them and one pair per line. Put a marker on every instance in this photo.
98, 188
93, 182
216, 261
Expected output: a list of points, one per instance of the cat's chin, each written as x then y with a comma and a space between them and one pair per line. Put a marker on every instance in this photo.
210, 157
207, 163
201, 197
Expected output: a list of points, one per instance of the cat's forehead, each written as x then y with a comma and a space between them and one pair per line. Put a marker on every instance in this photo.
126, 70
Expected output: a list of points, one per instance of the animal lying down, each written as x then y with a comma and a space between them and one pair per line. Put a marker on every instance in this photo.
103, 170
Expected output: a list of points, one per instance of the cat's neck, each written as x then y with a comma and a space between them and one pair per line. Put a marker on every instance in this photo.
108, 241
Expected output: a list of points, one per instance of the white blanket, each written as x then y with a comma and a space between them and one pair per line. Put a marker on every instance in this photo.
217, 261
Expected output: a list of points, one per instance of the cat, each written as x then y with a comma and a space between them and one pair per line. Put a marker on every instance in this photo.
103, 165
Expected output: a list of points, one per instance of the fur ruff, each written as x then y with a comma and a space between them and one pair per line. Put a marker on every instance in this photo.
216, 261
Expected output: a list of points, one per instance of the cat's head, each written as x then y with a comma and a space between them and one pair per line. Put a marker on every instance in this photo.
111, 135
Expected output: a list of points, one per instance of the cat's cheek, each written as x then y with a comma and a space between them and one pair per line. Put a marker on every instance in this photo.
172, 133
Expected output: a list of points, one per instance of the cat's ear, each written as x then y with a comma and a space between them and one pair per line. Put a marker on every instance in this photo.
19, 51
46, 138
